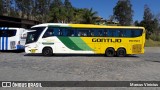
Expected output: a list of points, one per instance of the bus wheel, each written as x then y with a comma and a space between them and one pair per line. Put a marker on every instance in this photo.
121, 52
47, 51
110, 52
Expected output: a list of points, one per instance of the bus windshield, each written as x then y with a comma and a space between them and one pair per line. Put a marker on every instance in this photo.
34, 35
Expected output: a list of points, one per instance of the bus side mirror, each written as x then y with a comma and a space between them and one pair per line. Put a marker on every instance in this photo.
24, 35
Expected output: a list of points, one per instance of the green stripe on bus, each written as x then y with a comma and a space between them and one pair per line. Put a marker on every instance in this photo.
69, 43
80, 43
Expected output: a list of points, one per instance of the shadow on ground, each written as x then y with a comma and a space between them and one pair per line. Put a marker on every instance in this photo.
11, 51
77, 55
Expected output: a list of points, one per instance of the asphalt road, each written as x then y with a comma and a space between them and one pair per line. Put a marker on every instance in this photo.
24, 67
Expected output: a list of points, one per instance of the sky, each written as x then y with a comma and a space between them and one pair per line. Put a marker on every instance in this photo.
105, 7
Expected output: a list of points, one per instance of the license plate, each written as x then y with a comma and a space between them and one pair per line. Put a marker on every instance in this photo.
33, 50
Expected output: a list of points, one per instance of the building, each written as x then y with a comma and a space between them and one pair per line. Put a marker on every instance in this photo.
6, 21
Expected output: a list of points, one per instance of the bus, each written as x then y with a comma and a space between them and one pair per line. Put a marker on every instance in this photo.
12, 38
57, 38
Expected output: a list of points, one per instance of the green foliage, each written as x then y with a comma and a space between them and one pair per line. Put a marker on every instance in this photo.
69, 11
136, 23
89, 16
6, 7
57, 12
147, 19
123, 12
155, 37
66, 13
78, 15
42, 10
151, 24
47, 11
151, 43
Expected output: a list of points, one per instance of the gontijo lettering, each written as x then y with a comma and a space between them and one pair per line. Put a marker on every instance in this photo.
106, 40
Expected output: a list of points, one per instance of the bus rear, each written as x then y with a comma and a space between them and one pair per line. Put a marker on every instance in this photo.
12, 38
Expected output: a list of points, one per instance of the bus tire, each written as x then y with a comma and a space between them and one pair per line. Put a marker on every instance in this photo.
47, 51
121, 52
110, 52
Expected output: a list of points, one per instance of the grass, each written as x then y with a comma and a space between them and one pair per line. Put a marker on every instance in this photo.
151, 43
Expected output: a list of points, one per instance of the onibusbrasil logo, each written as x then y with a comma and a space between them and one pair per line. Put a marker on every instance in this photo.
20, 84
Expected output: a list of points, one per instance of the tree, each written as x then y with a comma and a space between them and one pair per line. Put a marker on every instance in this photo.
111, 18
136, 23
155, 25
69, 11
158, 18
78, 15
123, 12
147, 21
42, 8
24, 7
89, 16
7, 4
57, 13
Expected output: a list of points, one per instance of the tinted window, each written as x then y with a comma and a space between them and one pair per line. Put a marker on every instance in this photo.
55, 31
49, 32
98, 32
105, 33
136, 33
7, 33
70, 32
110, 33
33, 36
123, 32
84, 32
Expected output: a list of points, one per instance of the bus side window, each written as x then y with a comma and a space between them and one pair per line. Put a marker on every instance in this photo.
138, 33
96, 32
83, 32
132, 33
99, 32
114, 33
109, 32
91, 33
105, 33
63, 32
49, 32
56, 32
70, 32
79, 33
127, 33
120, 33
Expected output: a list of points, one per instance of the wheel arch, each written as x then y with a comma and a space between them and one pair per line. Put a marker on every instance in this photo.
122, 55
47, 47
108, 48
121, 48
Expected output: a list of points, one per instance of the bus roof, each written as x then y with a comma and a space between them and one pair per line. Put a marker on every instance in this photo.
84, 26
